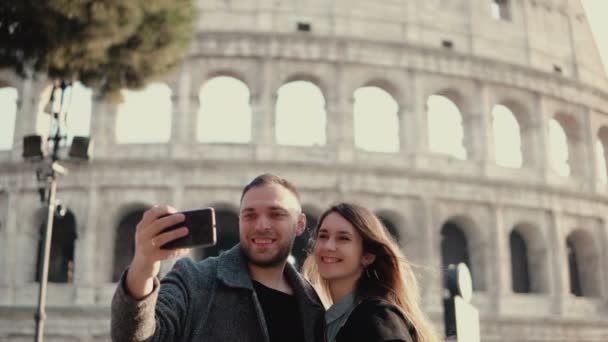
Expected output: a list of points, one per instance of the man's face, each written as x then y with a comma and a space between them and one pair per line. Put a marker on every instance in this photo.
270, 219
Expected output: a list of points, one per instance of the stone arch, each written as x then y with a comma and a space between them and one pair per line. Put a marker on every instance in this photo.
583, 264
307, 77
225, 114
124, 238
602, 154
461, 242
241, 76
535, 258
376, 120
394, 224
390, 87
300, 113
448, 105
574, 142
63, 243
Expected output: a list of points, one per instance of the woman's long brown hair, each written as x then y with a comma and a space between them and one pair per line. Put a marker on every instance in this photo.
390, 276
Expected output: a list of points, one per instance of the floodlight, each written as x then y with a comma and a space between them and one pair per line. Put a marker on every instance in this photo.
34, 147
82, 148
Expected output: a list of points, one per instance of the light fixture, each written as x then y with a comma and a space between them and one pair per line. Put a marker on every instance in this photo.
34, 147
82, 148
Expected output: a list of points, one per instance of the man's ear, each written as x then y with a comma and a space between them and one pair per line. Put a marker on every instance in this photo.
368, 259
301, 225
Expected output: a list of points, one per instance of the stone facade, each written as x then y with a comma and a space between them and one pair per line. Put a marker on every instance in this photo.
540, 62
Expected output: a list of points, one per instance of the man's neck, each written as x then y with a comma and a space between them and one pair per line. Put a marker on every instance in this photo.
271, 277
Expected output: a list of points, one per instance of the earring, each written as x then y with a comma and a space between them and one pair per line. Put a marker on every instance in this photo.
374, 272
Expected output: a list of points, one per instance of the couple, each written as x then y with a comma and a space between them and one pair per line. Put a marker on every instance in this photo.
250, 293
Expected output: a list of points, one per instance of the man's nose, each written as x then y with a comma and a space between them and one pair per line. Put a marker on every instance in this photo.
262, 223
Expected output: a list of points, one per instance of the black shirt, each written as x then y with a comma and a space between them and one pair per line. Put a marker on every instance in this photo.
375, 320
281, 313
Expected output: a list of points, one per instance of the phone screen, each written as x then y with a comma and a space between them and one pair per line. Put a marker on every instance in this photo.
201, 230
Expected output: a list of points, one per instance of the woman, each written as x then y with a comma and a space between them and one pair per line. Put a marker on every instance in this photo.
359, 270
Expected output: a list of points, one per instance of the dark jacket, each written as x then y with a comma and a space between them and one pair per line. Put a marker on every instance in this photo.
210, 300
376, 320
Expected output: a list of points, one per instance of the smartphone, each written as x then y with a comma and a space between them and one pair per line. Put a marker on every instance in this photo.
201, 230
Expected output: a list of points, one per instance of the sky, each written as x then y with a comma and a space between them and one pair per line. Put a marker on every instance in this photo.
597, 15
310, 105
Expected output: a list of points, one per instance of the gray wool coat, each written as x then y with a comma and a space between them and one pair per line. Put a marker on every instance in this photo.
209, 300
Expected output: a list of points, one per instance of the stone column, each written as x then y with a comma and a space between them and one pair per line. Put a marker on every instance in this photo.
542, 145
559, 287
413, 132
8, 247
184, 99
86, 251
500, 259
416, 119
340, 118
479, 140
29, 103
263, 102
588, 161
431, 252
103, 128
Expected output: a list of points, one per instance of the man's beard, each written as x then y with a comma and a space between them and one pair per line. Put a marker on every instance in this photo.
277, 260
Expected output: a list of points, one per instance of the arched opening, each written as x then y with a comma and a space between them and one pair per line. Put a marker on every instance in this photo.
454, 248
8, 103
145, 115
520, 272
583, 264
507, 138
389, 223
124, 241
559, 154
224, 115
300, 115
61, 258
574, 274
376, 120
446, 132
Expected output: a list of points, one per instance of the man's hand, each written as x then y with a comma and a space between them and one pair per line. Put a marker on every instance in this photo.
149, 237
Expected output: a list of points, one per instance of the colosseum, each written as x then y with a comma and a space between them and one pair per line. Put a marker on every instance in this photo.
476, 130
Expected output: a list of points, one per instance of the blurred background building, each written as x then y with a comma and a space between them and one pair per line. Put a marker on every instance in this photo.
476, 129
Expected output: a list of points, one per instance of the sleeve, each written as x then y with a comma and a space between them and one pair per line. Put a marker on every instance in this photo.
375, 322
160, 316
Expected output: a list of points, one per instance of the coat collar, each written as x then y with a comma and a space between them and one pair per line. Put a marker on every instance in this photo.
233, 271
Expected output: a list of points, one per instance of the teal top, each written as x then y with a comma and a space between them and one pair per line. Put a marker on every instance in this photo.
337, 315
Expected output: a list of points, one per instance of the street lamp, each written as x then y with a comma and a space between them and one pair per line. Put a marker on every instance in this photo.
34, 149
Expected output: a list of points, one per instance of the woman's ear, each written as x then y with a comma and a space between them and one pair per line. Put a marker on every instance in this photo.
368, 259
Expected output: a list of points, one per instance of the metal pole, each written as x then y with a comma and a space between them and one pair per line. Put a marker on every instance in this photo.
48, 233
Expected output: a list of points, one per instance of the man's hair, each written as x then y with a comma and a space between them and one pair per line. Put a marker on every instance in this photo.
269, 179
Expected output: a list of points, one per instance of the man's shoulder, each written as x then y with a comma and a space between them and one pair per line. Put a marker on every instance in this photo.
189, 268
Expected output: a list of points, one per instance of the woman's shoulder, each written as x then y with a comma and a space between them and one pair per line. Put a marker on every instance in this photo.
375, 319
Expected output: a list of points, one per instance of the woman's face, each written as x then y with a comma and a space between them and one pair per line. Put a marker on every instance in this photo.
338, 250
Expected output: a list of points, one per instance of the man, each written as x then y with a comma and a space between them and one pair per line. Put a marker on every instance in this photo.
248, 293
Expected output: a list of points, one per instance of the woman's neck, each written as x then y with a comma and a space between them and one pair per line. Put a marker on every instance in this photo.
338, 289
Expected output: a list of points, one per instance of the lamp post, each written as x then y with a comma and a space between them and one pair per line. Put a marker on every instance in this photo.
34, 149
461, 318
